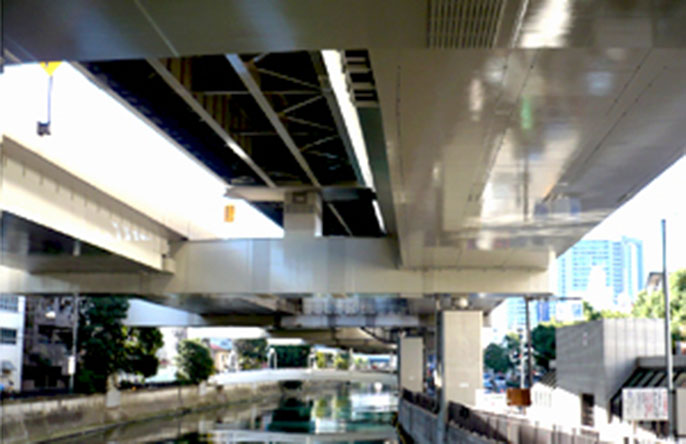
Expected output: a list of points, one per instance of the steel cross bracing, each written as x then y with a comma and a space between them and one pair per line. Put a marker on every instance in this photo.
250, 83
187, 96
286, 132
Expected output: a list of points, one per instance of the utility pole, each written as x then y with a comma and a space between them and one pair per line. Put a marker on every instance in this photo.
668, 333
529, 357
75, 327
521, 359
74, 342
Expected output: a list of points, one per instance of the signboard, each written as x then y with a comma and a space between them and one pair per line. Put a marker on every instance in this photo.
71, 366
645, 404
518, 397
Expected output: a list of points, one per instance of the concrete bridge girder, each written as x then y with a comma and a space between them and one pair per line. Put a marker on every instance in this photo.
43, 193
305, 266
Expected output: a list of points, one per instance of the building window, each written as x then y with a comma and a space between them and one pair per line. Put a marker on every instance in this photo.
8, 336
9, 302
587, 403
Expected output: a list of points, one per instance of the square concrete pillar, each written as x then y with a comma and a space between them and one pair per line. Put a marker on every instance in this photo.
302, 215
460, 354
411, 364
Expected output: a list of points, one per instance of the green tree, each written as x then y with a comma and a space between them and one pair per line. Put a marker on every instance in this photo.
342, 361
102, 340
252, 353
591, 314
142, 345
107, 347
496, 358
194, 362
292, 356
652, 305
543, 344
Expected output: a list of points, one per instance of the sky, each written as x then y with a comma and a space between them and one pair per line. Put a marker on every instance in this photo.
641, 216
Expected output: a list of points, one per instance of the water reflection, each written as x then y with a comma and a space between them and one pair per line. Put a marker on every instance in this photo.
349, 413
355, 414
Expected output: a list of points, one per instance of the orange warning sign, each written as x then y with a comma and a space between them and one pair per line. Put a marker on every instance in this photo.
229, 213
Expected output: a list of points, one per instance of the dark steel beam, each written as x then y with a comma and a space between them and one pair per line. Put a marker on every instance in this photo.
188, 97
249, 81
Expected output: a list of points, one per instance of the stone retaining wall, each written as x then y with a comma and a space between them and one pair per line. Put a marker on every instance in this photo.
41, 419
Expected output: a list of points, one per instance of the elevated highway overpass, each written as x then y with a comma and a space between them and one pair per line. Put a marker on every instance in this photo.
469, 145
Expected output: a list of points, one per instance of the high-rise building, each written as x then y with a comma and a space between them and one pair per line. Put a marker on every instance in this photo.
602, 271
516, 313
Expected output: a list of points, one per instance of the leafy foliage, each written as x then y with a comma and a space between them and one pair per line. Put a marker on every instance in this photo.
292, 356
142, 346
496, 358
107, 347
543, 344
652, 305
591, 314
194, 361
342, 361
252, 353
322, 359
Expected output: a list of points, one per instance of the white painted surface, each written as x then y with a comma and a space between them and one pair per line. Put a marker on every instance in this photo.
324, 265
461, 356
412, 364
40, 191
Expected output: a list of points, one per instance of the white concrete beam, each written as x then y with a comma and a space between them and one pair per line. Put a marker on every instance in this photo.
38, 190
145, 314
275, 266
340, 321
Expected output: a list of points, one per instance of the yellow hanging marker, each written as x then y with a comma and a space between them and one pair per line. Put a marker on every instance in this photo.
229, 213
50, 67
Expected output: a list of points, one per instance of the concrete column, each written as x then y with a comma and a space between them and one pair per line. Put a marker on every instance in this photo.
411, 355
302, 215
460, 356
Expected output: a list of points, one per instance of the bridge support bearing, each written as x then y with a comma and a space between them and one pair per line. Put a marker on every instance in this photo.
302, 214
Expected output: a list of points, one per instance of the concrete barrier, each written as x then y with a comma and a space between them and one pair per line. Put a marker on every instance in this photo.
41, 419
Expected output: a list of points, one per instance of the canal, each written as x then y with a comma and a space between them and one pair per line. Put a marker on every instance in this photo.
348, 413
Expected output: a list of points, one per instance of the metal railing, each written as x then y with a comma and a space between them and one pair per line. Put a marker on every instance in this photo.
465, 424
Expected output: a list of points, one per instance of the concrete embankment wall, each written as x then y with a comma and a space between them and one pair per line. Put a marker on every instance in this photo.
41, 419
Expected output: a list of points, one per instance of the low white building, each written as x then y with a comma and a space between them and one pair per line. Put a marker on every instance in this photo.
11, 340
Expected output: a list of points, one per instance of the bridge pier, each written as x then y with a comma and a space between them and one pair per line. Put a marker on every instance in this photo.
411, 363
459, 361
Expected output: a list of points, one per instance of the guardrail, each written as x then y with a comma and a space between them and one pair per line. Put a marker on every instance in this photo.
513, 430
504, 428
419, 417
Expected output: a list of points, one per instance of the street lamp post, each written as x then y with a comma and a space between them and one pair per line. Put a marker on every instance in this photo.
668, 333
